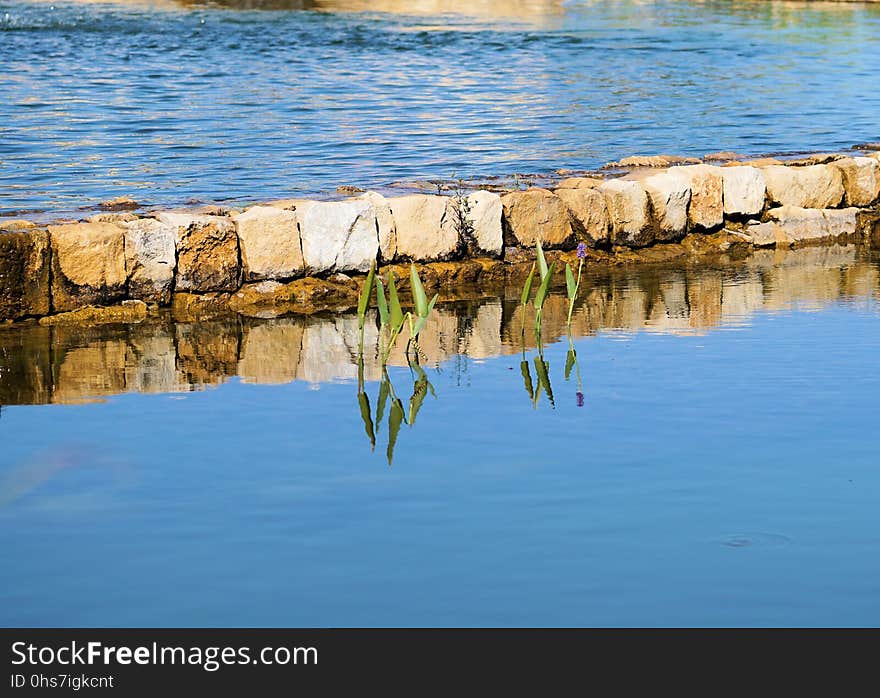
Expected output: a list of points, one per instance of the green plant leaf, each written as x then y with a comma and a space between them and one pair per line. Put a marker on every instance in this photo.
420, 300
542, 369
570, 283
422, 321
396, 313
542, 263
570, 360
527, 289
527, 378
384, 390
420, 390
381, 302
541, 295
380, 405
364, 300
368, 420
418, 326
394, 421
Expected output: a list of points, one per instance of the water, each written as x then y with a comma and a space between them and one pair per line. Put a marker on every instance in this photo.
180, 102
721, 470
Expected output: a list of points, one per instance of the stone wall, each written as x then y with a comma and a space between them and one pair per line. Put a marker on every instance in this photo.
243, 258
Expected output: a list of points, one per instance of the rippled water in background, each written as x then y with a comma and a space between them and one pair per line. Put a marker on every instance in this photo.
720, 471
181, 102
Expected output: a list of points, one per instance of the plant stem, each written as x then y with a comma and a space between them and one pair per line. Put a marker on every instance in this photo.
577, 287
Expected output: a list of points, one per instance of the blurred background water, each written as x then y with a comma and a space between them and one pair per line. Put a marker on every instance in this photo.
709, 460
176, 101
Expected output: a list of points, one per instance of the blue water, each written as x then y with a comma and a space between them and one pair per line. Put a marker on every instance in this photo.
181, 103
721, 471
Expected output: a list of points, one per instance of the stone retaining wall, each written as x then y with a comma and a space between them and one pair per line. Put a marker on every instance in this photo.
220, 256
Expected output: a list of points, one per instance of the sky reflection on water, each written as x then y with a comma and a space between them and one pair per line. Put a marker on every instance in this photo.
717, 472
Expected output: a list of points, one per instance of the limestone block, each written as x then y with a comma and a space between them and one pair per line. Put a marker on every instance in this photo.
387, 228
590, 213
670, 195
207, 252
339, 236
485, 211
861, 180
791, 224
744, 190
706, 209
629, 210
270, 244
814, 186
579, 183
537, 214
88, 265
149, 259
24, 274
425, 230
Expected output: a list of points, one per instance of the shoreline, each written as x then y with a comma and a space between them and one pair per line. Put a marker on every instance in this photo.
301, 256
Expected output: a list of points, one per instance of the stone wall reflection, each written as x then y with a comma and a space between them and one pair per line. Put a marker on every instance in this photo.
43, 365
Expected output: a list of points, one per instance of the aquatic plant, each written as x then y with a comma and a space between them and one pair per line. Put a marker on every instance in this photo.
392, 318
573, 286
364, 301
423, 307
421, 387
542, 371
546, 275
527, 377
395, 418
397, 415
364, 401
572, 362
542, 375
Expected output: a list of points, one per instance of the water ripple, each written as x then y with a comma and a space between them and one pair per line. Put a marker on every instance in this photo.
220, 103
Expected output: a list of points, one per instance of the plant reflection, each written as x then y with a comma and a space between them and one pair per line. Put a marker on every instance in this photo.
535, 371
397, 415
542, 375
571, 361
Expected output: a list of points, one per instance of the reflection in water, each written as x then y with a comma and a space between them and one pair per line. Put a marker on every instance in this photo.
271, 493
571, 361
61, 365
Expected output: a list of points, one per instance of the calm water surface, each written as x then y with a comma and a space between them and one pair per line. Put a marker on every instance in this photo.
720, 471
176, 101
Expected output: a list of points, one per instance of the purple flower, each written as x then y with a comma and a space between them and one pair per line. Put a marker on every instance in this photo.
580, 399
582, 250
